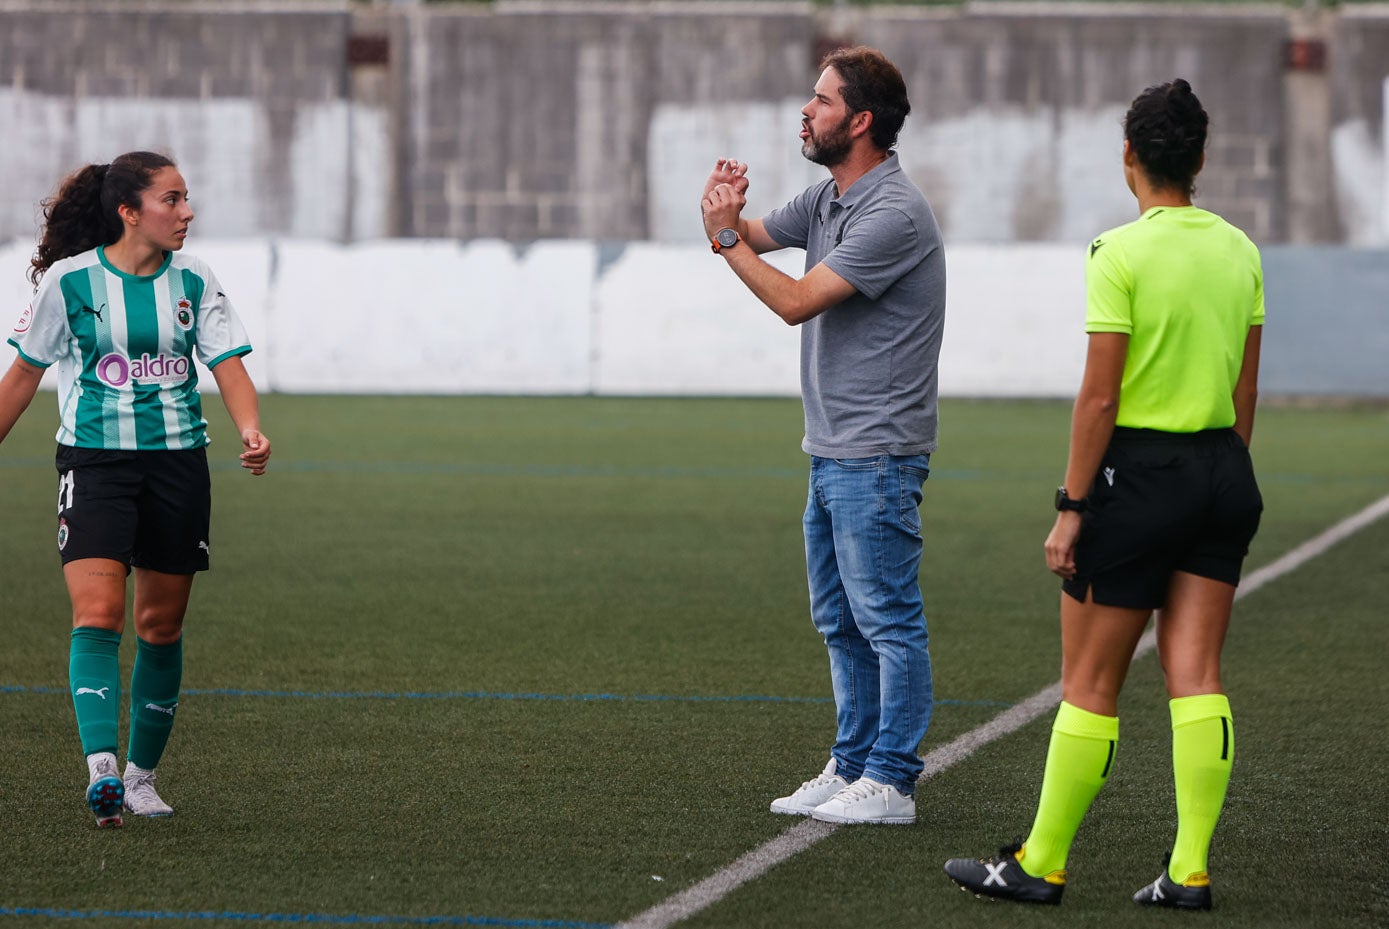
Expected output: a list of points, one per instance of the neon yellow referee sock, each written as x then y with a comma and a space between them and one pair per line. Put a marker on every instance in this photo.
1203, 751
1078, 763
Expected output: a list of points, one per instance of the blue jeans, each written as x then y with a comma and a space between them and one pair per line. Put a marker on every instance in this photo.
863, 555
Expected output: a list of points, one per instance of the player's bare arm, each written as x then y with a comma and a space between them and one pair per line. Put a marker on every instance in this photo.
239, 396
17, 390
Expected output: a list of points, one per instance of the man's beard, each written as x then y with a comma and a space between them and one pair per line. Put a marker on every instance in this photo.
832, 148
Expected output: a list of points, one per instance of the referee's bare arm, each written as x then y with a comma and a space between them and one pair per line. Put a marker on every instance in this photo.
1092, 425
1247, 387
1096, 409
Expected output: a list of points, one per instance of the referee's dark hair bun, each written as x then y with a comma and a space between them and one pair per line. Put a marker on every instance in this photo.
1166, 126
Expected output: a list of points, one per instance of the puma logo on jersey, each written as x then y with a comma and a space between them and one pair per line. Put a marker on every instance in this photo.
96, 313
100, 691
1109, 476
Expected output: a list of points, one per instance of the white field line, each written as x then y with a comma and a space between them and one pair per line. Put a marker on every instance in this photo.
808, 832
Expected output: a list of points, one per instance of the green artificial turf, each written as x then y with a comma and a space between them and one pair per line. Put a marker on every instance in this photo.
544, 661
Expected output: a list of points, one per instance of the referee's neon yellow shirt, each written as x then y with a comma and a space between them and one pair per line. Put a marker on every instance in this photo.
1185, 286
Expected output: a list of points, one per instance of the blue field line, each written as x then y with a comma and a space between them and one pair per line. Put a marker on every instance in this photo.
487, 695
321, 918
526, 469
481, 469
509, 469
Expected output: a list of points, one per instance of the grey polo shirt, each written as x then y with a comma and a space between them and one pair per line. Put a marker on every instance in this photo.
868, 364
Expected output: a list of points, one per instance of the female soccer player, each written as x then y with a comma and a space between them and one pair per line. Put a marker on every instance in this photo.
1167, 504
122, 313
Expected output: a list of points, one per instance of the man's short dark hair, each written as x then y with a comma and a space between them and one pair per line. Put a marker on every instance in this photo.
874, 84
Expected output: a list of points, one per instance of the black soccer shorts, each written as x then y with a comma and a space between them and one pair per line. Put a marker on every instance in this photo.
1164, 502
146, 509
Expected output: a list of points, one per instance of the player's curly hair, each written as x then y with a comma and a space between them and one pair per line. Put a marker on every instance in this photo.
1166, 126
83, 214
872, 83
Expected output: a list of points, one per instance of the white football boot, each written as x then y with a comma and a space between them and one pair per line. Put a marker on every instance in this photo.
104, 789
140, 798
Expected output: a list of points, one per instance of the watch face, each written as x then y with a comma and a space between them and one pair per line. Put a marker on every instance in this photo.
727, 237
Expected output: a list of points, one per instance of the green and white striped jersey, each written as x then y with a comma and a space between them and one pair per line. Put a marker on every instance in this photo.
124, 348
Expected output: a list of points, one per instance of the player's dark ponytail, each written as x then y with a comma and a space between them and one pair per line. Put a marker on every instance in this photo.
84, 213
1166, 126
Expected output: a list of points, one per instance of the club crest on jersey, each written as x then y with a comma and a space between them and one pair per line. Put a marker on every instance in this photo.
62, 534
183, 314
26, 319
116, 370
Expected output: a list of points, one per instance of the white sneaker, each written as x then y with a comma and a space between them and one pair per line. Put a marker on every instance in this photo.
140, 798
867, 801
104, 789
812, 793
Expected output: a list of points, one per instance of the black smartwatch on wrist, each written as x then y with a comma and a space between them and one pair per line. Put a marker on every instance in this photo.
1064, 502
727, 237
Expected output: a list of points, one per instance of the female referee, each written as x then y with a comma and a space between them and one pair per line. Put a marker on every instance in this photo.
122, 313
1167, 505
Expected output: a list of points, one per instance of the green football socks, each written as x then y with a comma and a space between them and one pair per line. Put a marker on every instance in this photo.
1203, 751
153, 700
94, 675
1078, 763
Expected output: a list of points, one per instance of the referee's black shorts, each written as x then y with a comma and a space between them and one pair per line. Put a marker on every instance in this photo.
146, 509
1164, 502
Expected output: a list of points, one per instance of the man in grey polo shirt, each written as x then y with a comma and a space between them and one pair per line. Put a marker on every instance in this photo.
871, 307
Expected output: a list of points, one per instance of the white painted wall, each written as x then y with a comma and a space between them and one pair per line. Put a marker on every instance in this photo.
674, 319
412, 316
1358, 168
1360, 173
332, 190
574, 317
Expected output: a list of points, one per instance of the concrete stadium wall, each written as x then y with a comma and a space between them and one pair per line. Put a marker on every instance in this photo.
253, 103
580, 317
563, 144
525, 120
